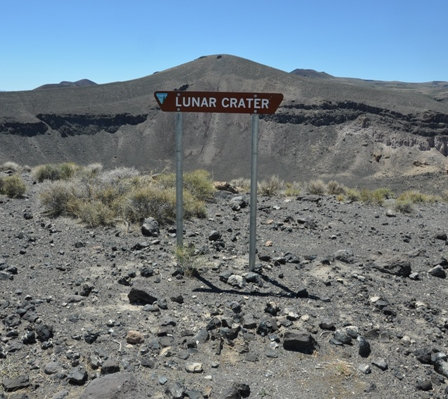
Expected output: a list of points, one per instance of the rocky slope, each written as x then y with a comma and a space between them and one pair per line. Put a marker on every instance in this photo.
359, 132
347, 301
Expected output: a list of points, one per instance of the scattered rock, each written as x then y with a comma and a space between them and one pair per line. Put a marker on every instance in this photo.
121, 385
110, 366
397, 265
437, 271
135, 337
236, 280
77, 376
214, 235
150, 227
141, 295
15, 383
194, 368
299, 341
424, 385
380, 363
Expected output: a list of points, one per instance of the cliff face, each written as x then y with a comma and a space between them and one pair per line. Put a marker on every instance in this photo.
359, 132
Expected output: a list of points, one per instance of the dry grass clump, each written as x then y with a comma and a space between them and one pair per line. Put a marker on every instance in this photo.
375, 197
241, 183
316, 187
59, 198
335, 188
65, 171
271, 186
404, 206
13, 186
417, 197
61, 171
10, 166
125, 195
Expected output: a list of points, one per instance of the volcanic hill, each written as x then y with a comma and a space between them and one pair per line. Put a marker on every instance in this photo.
359, 132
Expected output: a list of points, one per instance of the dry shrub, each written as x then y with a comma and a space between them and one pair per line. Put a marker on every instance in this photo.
335, 188
59, 198
375, 197
416, 197
316, 187
94, 213
10, 165
353, 194
270, 186
61, 171
404, 206
123, 194
117, 174
13, 186
242, 183
150, 201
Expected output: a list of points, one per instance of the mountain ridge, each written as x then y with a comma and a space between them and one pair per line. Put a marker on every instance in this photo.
385, 127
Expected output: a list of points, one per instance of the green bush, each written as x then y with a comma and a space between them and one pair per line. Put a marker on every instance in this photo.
13, 186
292, 189
199, 184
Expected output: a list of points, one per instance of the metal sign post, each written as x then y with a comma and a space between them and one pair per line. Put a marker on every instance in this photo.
220, 102
179, 182
253, 194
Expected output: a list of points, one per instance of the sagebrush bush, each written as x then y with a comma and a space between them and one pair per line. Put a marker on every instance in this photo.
59, 199
316, 187
416, 197
242, 184
10, 165
335, 188
404, 205
157, 202
199, 184
353, 194
94, 213
271, 186
13, 186
105, 198
61, 171
375, 197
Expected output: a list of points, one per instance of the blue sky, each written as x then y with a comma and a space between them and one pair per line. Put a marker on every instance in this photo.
47, 41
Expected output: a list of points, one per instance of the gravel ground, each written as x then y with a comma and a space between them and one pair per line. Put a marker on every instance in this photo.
347, 301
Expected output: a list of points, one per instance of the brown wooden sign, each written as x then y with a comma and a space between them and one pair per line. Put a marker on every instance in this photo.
221, 102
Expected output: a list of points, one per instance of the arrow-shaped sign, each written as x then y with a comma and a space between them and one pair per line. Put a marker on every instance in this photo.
221, 102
